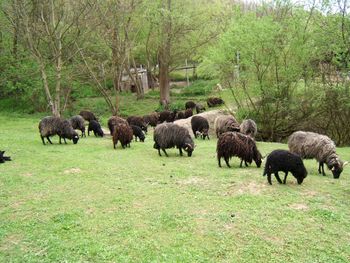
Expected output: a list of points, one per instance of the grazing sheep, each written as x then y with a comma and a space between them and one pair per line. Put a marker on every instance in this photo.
200, 125
138, 121
96, 128
123, 133
190, 105
285, 161
240, 145
151, 119
180, 115
4, 158
137, 133
50, 126
114, 121
169, 135
309, 145
224, 124
77, 123
88, 115
188, 113
168, 116
212, 102
199, 108
249, 128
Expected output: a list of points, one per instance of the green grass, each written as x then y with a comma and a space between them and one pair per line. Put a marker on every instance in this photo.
91, 203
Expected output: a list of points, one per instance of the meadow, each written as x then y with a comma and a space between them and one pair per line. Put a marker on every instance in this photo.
91, 203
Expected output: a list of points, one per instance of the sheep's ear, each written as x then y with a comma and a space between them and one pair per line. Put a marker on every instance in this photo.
346, 163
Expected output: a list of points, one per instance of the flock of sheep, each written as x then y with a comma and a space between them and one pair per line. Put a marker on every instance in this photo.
234, 139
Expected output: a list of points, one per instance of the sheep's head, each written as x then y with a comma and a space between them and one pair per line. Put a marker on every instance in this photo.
75, 138
189, 149
337, 168
257, 158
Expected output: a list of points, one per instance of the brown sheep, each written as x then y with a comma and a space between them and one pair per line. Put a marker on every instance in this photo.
224, 124
114, 121
240, 145
123, 133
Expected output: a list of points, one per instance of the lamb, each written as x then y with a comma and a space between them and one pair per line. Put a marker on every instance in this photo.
4, 158
77, 123
248, 127
212, 102
199, 108
123, 133
114, 121
240, 145
50, 126
151, 119
190, 105
309, 145
138, 121
96, 128
169, 135
200, 125
137, 133
224, 124
285, 161
88, 115
168, 116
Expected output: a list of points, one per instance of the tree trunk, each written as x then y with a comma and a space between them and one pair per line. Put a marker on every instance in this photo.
164, 85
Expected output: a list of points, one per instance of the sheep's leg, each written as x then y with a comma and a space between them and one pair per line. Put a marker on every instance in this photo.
241, 163
246, 165
49, 139
269, 178
219, 161
114, 145
64, 139
159, 152
285, 178
195, 133
165, 152
180, 150
319, 167
60, 140
227, 162
323, 173
42, 138
278, 178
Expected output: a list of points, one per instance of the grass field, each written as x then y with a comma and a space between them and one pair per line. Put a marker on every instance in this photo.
91, 203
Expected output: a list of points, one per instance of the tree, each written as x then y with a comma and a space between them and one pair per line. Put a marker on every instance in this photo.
50, 30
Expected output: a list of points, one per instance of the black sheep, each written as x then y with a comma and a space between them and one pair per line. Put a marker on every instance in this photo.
212, 102
137, 133
88, 115
137, 121
96, 128
123, 133
240, 145
180, 115
190, 105
50, 126
169, 135
4, 158
285, 161
168, 116
200, 125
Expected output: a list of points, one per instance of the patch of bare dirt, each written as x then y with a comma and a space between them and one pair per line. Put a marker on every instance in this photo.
194, 180
252, 188
72, 171
299, 206
27, 174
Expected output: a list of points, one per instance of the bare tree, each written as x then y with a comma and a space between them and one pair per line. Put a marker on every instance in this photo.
50, 29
